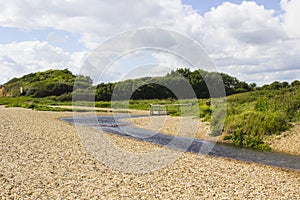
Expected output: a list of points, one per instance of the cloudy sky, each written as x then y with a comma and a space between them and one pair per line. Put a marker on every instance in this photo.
255, 41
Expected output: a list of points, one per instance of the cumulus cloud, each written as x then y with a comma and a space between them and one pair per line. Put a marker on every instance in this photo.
249, 41
245, 40
291, 17
159, 41
17, 59
96, 20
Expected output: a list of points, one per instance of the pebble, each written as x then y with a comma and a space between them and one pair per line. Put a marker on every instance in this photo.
43, 158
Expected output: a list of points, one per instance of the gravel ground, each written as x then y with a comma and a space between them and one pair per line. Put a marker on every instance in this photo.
187, 126
288, 142
43, 158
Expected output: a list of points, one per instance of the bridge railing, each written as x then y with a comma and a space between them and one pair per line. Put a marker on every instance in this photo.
163, 109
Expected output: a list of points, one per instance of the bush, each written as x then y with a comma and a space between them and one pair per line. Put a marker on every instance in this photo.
13, 105
103, 104
248, 129
256, 123
227, 137
57, 109
65, 97
31, 106
262, 104
205, 112
249, 141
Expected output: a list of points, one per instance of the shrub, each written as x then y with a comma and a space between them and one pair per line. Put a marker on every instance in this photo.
13, 105
248, 129
239, 138
205, 112
65, 97
103, 104
262, 104
31, 106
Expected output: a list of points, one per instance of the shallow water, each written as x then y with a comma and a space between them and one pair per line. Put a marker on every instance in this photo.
112, 124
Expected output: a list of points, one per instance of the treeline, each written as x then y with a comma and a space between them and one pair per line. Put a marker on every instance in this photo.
180, 81
276, 85
178, 84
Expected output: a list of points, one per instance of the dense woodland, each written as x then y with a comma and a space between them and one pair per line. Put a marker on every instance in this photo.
179, 80
62, 83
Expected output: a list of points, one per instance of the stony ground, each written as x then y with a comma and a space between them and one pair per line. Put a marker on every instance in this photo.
288, 142
181, 126
42, 157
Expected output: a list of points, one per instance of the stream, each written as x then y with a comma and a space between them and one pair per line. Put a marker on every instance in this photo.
113, 125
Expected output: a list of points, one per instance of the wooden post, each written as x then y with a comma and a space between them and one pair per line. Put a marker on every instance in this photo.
151, 109
158, 109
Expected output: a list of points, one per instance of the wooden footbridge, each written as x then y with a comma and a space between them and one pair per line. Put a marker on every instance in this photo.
163, 109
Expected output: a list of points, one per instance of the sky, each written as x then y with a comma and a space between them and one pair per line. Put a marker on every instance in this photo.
255, 41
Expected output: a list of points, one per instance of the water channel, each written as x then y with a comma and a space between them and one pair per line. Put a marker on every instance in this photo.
114, 125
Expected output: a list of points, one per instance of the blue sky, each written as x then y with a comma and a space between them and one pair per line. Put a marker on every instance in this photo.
203, 6
71, 42
66, 40
248, 41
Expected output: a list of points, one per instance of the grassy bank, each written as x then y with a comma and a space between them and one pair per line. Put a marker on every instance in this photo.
253, 115
42, 104
249, 116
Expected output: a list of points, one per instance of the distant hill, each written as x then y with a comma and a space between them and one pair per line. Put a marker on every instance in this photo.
43, 84
155, 87
60, 83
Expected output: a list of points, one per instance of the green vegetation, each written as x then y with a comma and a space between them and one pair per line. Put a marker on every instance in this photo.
65, 86
58, 83
44, 104
179, 80
26, 101
251, 113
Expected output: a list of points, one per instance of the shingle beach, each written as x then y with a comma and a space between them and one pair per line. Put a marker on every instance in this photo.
42, 157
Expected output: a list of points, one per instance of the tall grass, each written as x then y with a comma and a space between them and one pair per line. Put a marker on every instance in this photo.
253, 115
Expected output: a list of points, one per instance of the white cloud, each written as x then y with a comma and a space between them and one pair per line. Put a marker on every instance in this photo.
96, 20
249, 41
291, 17
232, 28
172, 60
17, 59
246, 40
